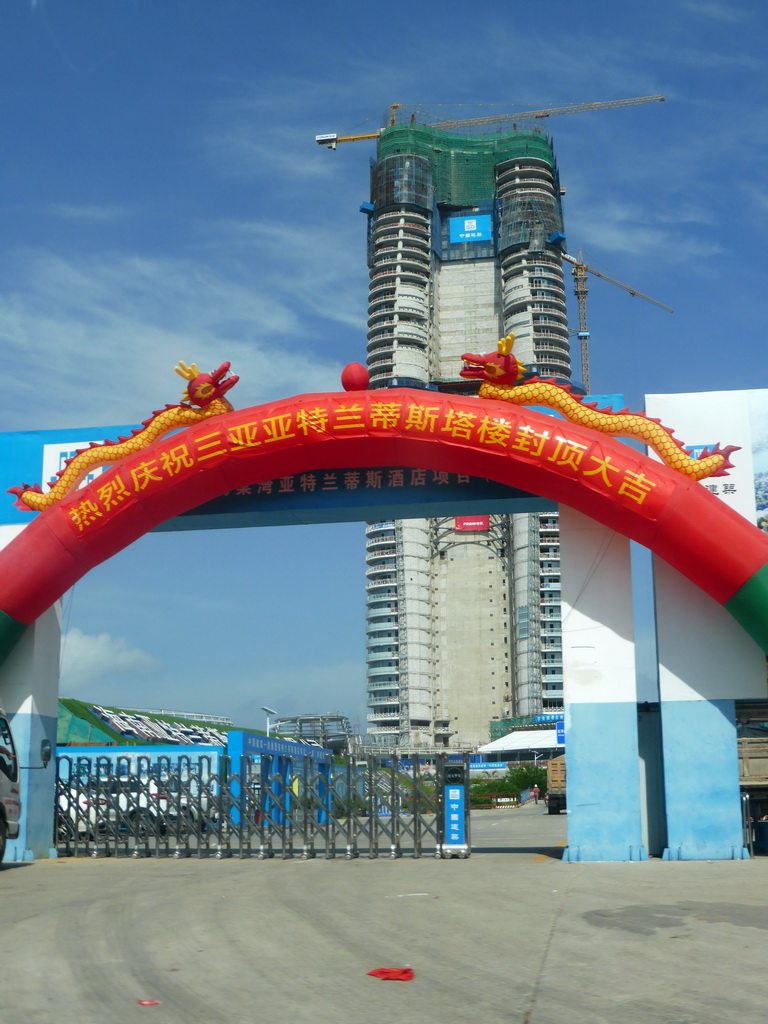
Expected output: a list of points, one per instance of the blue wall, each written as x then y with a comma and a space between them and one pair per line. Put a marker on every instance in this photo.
701, 780
38, 787
603, 779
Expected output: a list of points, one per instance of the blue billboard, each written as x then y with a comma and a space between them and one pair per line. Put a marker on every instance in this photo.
477, 228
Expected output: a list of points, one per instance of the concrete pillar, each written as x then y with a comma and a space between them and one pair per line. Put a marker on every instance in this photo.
601, 738
29, 693
706, 662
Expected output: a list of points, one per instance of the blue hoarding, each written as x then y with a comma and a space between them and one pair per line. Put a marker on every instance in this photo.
154, 759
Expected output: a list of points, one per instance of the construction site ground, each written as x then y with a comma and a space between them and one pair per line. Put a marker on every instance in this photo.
510, 934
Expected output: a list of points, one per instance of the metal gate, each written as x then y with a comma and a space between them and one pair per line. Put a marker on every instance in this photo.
272, 807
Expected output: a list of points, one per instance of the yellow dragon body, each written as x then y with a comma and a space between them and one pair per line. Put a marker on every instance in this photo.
203, 398
502, 378
505, 379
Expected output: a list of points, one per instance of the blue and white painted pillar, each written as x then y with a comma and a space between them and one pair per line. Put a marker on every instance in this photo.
706, 663
601, 744
29, 693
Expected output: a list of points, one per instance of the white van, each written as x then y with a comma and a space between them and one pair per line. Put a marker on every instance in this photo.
10, 786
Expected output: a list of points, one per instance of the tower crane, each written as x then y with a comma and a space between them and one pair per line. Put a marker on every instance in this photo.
580, 270
331, 139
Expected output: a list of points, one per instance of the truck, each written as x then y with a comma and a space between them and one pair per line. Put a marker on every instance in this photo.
556, 785
10, 786
753, 773
753, 777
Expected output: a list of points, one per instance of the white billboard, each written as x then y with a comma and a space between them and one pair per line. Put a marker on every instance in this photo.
706, 418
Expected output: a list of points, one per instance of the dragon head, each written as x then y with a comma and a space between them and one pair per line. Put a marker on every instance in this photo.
204, 388
500, 367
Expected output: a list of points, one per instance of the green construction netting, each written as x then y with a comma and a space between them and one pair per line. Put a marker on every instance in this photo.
462, 165
77, 732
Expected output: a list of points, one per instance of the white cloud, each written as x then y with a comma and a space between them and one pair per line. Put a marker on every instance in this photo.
89, 660
246, 134
757, 196
94, 340
715, 11
317, 266
658, 234
240, 148
71, 211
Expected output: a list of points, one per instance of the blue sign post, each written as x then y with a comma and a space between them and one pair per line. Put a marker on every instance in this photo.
455, 817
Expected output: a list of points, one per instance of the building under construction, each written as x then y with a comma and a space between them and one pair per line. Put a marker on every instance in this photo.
331, 731
464, 247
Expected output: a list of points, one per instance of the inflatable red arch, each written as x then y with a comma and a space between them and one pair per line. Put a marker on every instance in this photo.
678, 519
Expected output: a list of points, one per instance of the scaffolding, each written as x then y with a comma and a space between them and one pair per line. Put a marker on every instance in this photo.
460, 167
401, 179
528, 220
331, 731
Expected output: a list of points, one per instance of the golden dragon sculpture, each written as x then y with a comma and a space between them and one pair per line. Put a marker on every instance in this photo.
506, 379
503, 378
203, 397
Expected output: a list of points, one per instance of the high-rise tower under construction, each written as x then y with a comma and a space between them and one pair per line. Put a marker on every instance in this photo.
463, 615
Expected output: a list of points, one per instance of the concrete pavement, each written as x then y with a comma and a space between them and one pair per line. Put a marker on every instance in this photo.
511, 934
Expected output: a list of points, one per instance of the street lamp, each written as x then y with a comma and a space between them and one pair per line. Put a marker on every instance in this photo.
269, 711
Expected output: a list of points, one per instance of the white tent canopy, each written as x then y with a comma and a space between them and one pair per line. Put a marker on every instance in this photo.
525, 739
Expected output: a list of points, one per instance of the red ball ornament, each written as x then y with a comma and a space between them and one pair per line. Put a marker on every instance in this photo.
354, 377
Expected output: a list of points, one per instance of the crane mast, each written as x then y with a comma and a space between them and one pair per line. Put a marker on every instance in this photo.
580, 270
580, 289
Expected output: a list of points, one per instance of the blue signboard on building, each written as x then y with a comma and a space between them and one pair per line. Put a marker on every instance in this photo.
560, 733
476, 228
254, 745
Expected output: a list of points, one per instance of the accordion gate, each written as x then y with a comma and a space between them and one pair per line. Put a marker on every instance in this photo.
278, 807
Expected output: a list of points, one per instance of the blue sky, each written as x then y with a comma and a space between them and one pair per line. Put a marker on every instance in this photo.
162, 198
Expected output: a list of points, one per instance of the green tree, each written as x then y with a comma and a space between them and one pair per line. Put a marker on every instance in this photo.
524, 775
482, 791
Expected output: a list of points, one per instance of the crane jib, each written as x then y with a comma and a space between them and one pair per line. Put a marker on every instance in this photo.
330, 140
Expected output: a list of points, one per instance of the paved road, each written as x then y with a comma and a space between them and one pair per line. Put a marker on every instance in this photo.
511, 934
